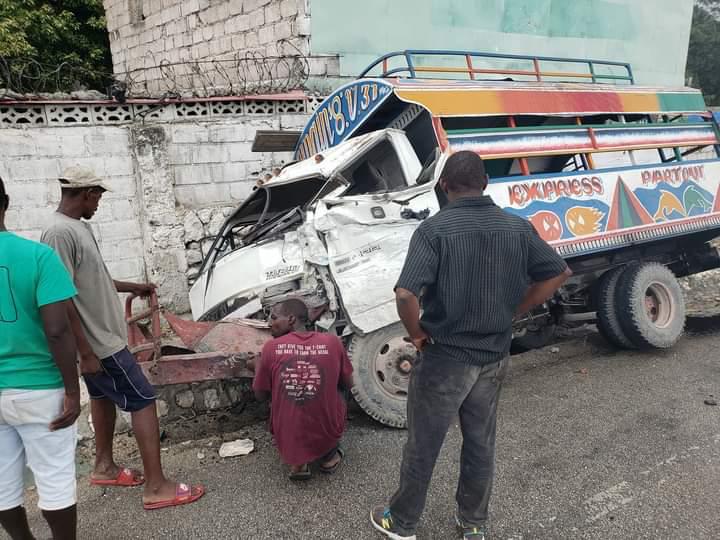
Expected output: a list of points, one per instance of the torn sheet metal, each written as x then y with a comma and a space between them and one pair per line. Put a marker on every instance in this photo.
247, 271
367, 249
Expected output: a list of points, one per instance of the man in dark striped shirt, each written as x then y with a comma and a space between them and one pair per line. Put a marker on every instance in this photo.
475, 267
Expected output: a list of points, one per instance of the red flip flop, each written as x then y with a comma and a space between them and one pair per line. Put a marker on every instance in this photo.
184, 494
125, 478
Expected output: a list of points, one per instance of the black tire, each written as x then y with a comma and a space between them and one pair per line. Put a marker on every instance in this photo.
533, 339
651, 307
382, 362
608, 322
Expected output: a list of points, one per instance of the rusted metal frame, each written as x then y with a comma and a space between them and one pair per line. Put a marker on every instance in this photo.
536, 63
537, 74
197, 367
588, 157
412, 70
468, 59
134, 334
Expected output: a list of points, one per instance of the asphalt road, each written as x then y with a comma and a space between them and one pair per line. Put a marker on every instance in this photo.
592, 443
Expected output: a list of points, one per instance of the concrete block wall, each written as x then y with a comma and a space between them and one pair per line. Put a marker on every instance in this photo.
31, 161
144, 34
213, 162
214, 170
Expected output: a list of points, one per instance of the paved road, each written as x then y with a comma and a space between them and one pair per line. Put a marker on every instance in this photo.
592, 444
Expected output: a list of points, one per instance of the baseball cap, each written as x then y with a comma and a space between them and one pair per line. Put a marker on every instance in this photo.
77, 177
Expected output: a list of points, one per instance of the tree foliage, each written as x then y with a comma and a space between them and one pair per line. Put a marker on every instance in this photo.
55, 33
703, 64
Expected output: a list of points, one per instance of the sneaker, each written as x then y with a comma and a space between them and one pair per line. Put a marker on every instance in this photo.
470, 532
382, 520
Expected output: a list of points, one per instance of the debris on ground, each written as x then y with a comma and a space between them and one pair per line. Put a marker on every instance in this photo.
554, 350
710, 401
240, 447
582, 371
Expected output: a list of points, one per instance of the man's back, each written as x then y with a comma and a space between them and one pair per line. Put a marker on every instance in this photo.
31, 276
303, 371
476, 262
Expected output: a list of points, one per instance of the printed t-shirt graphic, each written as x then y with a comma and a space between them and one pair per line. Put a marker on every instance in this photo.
302, 370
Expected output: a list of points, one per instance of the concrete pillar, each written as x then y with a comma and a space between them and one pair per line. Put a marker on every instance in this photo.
162, 227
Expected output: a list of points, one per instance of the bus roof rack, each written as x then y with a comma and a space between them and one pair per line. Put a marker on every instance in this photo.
412, 64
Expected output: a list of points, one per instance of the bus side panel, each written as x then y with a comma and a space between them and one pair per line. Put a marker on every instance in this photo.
597, 210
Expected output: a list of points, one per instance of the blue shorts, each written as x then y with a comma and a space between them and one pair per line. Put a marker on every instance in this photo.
122, 382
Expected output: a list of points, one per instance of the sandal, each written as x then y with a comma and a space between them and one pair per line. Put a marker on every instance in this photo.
333, 469
184, 494
125, 478
302, 474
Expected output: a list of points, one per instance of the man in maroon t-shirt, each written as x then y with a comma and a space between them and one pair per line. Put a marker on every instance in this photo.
303, 373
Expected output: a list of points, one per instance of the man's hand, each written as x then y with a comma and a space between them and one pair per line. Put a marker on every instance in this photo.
143, 289
71, 410
90, 364
138, 289
419, 341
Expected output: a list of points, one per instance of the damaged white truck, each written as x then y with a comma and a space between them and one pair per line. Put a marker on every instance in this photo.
622, 180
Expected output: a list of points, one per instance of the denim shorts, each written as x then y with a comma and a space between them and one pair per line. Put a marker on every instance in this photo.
122, 382
25, 437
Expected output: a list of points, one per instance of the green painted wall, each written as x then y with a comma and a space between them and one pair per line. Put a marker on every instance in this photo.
652, 35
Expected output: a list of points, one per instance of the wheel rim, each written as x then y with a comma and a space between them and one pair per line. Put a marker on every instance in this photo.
393, 364
659, 306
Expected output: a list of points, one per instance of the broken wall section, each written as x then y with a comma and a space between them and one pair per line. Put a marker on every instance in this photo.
175, 176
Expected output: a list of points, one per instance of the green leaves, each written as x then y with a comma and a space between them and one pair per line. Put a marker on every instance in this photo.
55, 33
703, 64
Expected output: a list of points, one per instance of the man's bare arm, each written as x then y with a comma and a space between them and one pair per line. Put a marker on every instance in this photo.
539, 292
408, 308
138, 289
89, 362
62, 347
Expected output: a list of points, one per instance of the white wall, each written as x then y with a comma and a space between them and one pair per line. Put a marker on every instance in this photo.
30, 162
212, 162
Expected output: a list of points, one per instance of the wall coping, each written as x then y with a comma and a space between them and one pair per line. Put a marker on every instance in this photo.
57, 113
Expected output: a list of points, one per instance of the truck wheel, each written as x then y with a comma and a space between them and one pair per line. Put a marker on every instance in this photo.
536, 338
608, 322
650, 306
382, 361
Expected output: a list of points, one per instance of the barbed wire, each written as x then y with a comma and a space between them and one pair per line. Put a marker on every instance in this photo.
28, 78
246, 73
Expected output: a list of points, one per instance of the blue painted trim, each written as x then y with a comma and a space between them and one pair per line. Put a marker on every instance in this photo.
520, 178
338, 92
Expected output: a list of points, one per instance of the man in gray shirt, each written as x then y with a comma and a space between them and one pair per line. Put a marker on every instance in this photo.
110, 371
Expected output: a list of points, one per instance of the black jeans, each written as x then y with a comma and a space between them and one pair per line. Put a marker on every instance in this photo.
440, 389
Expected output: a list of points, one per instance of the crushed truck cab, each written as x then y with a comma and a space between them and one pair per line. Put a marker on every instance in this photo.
622, 180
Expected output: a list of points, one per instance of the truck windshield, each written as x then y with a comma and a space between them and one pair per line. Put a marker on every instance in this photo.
268, 211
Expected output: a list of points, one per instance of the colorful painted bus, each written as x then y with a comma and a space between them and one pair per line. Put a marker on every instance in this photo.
623, 180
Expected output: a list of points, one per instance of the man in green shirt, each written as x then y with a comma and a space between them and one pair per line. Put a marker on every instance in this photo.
39, 392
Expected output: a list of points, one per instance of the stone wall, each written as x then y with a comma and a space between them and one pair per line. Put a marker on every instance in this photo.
146, 34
